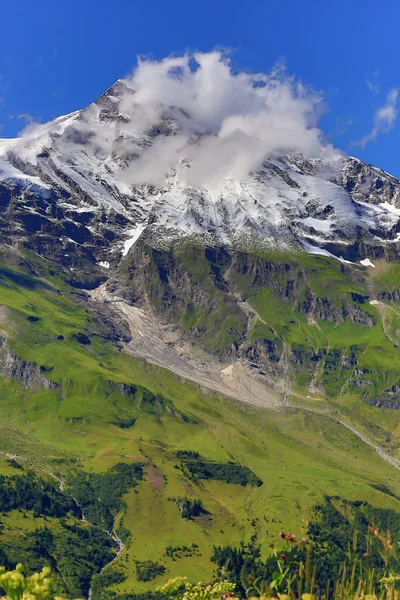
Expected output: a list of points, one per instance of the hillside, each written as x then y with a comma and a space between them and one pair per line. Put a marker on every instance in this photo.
184, 366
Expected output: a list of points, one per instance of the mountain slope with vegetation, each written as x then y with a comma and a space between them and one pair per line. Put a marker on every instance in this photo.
75, 402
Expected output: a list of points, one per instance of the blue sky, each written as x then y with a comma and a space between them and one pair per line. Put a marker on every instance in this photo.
56, 57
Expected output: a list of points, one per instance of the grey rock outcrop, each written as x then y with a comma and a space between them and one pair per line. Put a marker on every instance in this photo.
28, 374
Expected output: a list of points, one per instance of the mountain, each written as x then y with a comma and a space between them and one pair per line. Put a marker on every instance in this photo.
234, 341
64, 195
67, 181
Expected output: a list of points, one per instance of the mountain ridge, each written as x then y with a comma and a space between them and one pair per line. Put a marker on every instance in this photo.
75, 167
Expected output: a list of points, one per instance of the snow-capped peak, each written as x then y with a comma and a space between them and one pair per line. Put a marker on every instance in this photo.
82, 164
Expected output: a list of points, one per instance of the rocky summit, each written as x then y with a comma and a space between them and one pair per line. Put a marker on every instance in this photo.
66, 192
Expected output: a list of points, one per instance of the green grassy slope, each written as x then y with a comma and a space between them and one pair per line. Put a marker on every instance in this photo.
338, 339
300, 452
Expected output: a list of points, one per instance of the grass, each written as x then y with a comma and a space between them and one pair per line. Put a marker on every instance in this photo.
298, 454
375, 347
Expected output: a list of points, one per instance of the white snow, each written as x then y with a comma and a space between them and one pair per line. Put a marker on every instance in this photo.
88, 159
317, 224
10, 173
367, 263
135, 233
390, 208
105, 264
315, 250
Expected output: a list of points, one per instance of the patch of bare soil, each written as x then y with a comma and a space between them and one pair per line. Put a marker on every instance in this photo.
155, 478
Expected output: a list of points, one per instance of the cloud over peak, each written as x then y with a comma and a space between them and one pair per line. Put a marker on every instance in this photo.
227, 121
194, 115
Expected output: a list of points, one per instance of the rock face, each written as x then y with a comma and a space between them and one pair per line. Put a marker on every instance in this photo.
323, 308
389, 398
28, 374
208, 292
366, 182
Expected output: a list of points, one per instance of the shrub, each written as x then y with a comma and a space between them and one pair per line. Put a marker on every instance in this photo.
187, 454
148, 570
229, 472
31, 492
192, 508
123, 533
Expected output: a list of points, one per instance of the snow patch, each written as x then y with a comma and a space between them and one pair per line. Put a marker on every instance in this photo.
104, 264
10, 173
317, 224
367, 263
390, 208
136, 232
315, 250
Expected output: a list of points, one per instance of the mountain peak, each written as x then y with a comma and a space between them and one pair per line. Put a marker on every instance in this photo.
114, 93
84, 169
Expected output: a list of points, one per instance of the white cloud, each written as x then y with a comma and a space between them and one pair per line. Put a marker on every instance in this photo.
226, 122
31, 126
384, 119
221, 123
375, 88
341, 126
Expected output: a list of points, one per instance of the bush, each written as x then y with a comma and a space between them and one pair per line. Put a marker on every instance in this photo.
13, 463
187, 454
350, 554
229, 472
17, 586
148, 570
192, 508
105, 580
